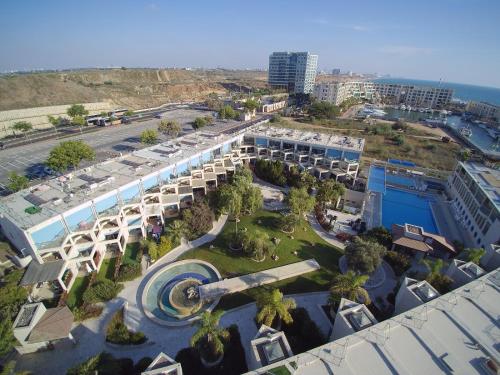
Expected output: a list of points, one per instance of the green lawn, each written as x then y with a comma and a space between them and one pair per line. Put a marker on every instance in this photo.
306, 243
76, 292
130, 255
107, 269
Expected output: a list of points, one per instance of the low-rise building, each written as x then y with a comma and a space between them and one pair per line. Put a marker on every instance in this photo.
455, 333
267, 347
37, 327
413, 293
351, 317
68, 224
273, 106
415, 241
463, 272
163, 365
475, 192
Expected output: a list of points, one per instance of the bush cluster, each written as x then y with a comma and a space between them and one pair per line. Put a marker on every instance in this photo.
118, 333
129, 272
400, 263
198, 219
101, 291
87, 312
271, 171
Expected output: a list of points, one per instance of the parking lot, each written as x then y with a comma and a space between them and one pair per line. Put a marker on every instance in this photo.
107, 142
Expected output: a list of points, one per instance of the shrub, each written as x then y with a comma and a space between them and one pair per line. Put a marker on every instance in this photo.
103, 290
105, 364
87, 312
398, 139
380, 235
129, 272
289, 222
118, 333
199, 122
400, 263
165, 246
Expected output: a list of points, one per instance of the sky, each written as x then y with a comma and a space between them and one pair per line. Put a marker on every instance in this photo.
452, 40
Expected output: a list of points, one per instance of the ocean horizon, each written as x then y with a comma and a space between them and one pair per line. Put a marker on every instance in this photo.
461, 91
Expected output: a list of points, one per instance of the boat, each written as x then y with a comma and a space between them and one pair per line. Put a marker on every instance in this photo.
465, 131
433, 122
493, 133
402, 107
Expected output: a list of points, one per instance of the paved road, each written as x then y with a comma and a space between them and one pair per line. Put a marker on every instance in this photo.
106, 141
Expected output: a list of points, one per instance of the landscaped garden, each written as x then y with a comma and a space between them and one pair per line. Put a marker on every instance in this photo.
302, 244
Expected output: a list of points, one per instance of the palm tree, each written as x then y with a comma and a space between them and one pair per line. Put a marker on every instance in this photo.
209, 337
350, 286
177, 230
442, 283
272, 305
433, 266
474, 255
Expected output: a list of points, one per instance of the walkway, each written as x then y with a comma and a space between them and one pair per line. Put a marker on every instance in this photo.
327, 236
237, 284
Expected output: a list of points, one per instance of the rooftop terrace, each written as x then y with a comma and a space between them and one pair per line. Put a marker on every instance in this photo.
454, 333
328, 140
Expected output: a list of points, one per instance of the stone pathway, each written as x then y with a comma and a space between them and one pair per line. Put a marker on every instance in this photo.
237, 284
327, 236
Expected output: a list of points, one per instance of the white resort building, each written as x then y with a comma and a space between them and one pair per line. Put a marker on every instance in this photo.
67, 225
412, 95
475, 192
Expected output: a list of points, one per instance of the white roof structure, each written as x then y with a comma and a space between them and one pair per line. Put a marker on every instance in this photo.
456, 333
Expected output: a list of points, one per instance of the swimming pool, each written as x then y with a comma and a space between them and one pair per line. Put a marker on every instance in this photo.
400, 206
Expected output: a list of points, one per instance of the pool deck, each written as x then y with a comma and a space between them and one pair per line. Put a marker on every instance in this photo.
252, 280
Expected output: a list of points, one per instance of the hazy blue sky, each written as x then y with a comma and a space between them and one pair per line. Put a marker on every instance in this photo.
456, 40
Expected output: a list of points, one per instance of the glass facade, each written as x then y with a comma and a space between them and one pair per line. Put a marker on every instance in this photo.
334, 153
165, 175
351, 155
181, 169
81, 220
50, 236
150, 183
261, 142
206, 157
108, 206
131, 194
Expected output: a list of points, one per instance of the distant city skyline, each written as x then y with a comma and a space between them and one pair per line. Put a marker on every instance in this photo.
452, 40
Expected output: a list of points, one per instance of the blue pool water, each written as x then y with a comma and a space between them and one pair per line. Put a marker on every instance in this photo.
157, 303
400, 206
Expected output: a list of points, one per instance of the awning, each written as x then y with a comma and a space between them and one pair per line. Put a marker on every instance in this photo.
55, 324
40, 273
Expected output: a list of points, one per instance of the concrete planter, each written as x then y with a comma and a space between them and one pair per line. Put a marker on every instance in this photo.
208, 364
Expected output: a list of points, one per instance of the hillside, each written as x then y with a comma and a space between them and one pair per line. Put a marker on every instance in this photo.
131, 88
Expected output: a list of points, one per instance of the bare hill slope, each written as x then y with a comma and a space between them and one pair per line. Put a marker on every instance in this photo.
132, 88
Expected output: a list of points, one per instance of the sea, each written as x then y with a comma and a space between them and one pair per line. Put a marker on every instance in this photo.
460, 91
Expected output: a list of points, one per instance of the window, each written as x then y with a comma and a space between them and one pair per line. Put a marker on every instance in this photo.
49, 236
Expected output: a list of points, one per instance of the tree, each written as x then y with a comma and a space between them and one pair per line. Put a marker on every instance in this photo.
364, 256
272, 306
252, 199
329, 191
53, 120
198, 219
380, 235
17, 182
271, 171
398, 139
300, 201
69, 154
77, 110
350, 286
177, 231
399, 262
440, 282
323, 110
227, 112
170, 128
257, 245
230, 202
12, 296
288, 223
23, 127
199, 122
251, 104
465, 154
209, 338
79, 121
149, 136
7, 339
473, 255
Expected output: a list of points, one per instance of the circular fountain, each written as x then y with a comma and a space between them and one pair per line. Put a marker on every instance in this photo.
171, 295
